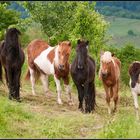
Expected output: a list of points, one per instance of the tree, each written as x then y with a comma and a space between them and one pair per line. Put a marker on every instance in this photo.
7, 17
69, 20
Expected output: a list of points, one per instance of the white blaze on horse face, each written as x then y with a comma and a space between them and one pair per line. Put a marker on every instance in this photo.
44, 63
56, 58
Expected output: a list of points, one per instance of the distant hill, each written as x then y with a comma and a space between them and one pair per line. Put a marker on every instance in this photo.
127, 9
19, 8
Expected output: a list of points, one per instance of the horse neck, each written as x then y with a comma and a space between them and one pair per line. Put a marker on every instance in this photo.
12, 42
114, 70
56, 58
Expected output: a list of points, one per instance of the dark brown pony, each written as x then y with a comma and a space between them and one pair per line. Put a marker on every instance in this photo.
12, 58
109, 73
83, 75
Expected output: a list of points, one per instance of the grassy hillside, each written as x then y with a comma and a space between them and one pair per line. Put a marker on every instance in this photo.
119, 28
41, 117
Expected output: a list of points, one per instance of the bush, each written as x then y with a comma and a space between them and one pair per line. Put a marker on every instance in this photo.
130, 32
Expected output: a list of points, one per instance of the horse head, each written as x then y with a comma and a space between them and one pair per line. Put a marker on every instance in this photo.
82, 53
134, 72
63, 53
106, 61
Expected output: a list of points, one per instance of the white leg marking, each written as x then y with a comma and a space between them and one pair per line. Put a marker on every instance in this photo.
59, 90
44, 80
135, 97
68, 92
109, 109
32, 79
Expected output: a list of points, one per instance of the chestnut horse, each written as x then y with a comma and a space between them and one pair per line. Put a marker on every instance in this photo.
109, 73
44, 60
83, 75
12, 58
134, 72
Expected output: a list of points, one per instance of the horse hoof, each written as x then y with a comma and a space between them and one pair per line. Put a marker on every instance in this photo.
18, 100
48, 95
60, 102
70, 103
81, 110
10, 97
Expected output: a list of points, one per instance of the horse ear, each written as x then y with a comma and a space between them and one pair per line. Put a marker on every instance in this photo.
87, 42
101, 53
69, 43
112, 54
78, 41
59, 43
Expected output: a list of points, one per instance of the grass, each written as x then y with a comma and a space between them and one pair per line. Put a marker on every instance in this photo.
41, 117
119, 28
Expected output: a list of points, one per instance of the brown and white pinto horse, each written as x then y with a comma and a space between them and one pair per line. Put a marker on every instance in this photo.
44, 60
134, 73
109, 73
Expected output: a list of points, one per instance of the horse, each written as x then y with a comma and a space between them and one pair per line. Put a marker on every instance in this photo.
134, 83
44, 60
12, 59
109, 73
83, 75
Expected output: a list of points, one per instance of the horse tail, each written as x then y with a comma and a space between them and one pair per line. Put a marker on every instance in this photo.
36, 74
94, 95
1, 46
1, 72
27, 77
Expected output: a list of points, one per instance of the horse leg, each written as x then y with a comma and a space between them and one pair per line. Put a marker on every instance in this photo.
44, 79
135, 97
107, 90
17, 86
32, 79
80, 89
91, 92
59, 90
10, 83
68, 90
115, 95
6, 77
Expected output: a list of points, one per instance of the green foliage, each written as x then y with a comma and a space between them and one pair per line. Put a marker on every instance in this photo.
8, 17
69, 21
125, 126
130, 32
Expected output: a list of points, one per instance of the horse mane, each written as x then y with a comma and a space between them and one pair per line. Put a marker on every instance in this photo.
106, 57
11, 38
134, 69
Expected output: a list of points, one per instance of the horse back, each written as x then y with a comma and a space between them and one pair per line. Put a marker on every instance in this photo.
117, 61
34, 49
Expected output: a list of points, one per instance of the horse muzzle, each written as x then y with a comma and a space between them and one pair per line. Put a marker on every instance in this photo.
80, 67
104, 75
61, 67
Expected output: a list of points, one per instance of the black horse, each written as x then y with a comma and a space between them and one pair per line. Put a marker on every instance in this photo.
12, 58
83, 75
